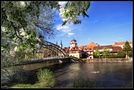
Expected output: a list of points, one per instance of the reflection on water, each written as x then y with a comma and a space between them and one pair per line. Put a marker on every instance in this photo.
102, 74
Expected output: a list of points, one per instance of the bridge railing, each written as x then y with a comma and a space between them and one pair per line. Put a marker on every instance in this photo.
53, 57
46, 43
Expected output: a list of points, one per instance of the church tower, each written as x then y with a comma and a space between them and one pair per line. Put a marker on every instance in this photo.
74, 49
73, 43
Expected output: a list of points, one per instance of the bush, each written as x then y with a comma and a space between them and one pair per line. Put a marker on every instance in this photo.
46, 78
121, 54
95, 56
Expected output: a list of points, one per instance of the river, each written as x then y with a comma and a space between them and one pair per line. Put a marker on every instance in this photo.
91, 75
95, 75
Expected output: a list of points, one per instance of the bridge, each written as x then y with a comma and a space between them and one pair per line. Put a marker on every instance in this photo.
48, 59
50, 53
55, 48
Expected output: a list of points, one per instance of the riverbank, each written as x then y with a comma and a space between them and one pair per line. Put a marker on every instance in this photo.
107, 60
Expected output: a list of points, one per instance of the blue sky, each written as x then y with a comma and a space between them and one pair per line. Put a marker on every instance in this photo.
108, 22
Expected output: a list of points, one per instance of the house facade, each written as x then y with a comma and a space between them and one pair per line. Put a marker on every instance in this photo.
110, 48
121, 44
73, 50
89, 49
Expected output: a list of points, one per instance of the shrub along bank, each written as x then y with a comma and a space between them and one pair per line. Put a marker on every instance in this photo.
45, 78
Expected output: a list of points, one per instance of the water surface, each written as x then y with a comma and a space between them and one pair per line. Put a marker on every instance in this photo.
94, 75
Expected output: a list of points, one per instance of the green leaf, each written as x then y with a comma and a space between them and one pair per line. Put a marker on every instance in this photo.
84, 13
88, 5
77, 22
64, 23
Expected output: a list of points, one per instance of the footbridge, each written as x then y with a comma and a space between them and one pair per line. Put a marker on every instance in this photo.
50, 53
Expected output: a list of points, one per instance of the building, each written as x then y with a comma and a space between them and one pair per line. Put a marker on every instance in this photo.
121, 44
90, 54
87, 51
66, 49
89, 46
110, 48
73, 50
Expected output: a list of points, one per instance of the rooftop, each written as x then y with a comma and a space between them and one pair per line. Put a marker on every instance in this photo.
121, 43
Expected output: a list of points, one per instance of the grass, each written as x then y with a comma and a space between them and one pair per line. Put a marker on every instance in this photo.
45, 78
27, 86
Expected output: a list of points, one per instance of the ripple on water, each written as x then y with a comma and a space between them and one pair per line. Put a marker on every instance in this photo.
103, 75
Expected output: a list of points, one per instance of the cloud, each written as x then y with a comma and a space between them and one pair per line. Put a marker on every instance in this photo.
70, 33
62, 3
66, 29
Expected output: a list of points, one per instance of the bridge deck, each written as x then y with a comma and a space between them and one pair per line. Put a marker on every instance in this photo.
33, 61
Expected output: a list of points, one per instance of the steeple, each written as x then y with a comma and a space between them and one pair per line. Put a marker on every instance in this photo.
73, 44
61, 44
56, 43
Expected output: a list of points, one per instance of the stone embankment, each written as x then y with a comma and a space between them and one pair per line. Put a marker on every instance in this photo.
107, 60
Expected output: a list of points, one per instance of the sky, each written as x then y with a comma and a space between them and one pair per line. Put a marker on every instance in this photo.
108, 22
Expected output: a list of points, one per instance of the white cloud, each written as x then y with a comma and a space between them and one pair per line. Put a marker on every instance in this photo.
62, 3
71, 33
66, 29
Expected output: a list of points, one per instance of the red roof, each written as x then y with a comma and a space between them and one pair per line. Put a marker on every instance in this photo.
116, 49
82, 47
91, 45
121, 43
102, 47
66, 49
74, 48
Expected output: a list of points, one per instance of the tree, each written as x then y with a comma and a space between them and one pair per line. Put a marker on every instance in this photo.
25, 24
72, 10
130, 54
22, 20
97, 53
127, 48
121, 54
105, 53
